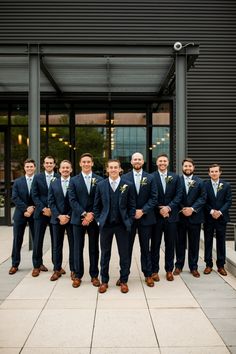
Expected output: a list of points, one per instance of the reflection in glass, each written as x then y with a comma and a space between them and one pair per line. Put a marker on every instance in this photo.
129, 119
160, 142
125, 141
91, 118
19, 150
92, 140
59, 114
3, 114
162, 116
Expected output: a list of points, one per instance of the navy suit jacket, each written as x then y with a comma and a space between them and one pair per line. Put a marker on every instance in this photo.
196, 199
40, 193
171, 197
126, 202
58, 203
147, 197
21, 198
222, 201
80, 200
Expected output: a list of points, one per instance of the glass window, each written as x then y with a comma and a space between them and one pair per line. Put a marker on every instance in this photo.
95, 141
59, 114
19, 150
162, 116
19, 114
160, 142
3, 114
125, 141
59, 143
91, 118
129, 119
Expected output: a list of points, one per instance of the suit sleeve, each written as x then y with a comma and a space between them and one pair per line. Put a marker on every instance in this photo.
175, 202
97, 206
36, 194
228, 200
75, 205
52, 202
16, 197
152, 201
201, 200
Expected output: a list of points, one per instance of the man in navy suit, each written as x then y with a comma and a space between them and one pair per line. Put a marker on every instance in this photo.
42, 212
24, 210
146, 201
114, 209
169, 197
218, 202
81, 194
58, 201
191, 217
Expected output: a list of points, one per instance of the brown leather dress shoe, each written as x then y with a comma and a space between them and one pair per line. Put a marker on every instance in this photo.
56, 275
207, 270
169, 276
72, 275
76, 282
103, 288
43, 268
124, 288
155, 277
13, 270
195, 273
118, 282
35, 272
177, 271
95, 281
149, 281
62, 271
222, 271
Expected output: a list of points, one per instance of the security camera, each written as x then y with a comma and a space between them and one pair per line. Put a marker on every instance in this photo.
178, 46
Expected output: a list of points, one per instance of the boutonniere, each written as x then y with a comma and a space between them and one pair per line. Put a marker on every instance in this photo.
53, 179
123, 188
93, 182
169, 179
191, 183
143, 181
220, 186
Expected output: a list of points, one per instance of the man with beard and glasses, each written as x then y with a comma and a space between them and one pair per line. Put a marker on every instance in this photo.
191, 217
146, 200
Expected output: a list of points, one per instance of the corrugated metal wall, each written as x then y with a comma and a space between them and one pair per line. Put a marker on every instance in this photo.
211, 84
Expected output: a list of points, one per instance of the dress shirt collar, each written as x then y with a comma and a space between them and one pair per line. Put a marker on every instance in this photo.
87, 175
65, 179
117, 181
137, 173
162, 173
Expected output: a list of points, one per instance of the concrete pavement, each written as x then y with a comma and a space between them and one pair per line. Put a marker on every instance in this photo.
187, 315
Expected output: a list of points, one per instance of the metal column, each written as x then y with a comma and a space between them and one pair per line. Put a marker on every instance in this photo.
34, 110
181, 111
34, 105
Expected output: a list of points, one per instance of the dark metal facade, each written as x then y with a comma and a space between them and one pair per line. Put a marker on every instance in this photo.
211, 122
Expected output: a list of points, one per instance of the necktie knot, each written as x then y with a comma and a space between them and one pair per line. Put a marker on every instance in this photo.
87, 182
113, 185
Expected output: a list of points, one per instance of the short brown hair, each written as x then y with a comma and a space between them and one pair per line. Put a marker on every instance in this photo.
113, 160
214, 165
29, 161
188, 159
86, 154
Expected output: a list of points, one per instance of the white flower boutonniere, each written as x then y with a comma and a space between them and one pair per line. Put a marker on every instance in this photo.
93, 182
191, 183
123, 188
220, 186
53, 179
169, 179
143, 181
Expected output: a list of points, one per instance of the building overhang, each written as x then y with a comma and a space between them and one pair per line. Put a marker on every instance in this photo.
108, 72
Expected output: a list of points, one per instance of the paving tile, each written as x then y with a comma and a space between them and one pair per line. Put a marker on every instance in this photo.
180, 302
217, 303
62, 329
185, 326
33, 288
193, 350
233, 350
71, 303
125, 351
123, 328
9, 350
220, 312
229, 338
225, 324
9, 319
56, 350
23, 304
